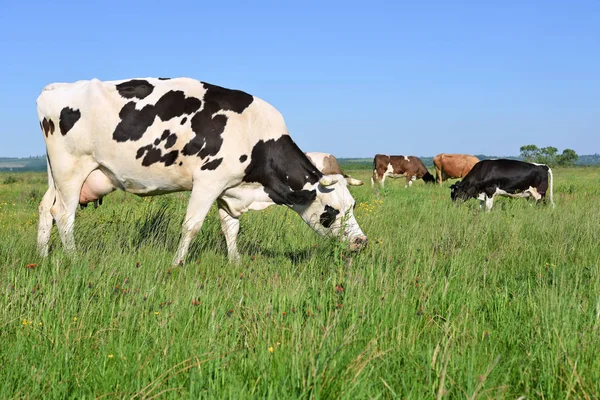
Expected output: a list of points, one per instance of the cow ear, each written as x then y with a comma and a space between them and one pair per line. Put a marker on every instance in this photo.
327, 181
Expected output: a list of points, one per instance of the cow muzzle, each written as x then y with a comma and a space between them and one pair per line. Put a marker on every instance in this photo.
359, 243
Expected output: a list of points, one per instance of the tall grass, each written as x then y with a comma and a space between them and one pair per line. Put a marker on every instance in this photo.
446, 301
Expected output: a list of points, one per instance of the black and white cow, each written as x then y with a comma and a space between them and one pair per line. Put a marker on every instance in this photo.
511, 178
153, 136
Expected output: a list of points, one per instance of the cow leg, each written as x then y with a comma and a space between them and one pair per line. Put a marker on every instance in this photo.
45, 220
230, 227
489, 202
382, 181
69, 176
201, 199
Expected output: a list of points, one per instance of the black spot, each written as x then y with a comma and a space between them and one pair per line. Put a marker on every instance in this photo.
180, 163
171, 140
142, 150
170, 157
163, 79
45, 126
207, 126
227, 99
138, 88
174, 104
153, 155
134, 122
51, 123
208, 130
183, 120
283, 169
165, 135
243, 158
212, 165
68, 118
156, 142
328, 217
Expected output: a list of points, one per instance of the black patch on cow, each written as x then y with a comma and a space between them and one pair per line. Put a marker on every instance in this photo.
68, 118
133, 122
138, 88
209, 127
212, 165
180, 163
45, 126
174, 104
183, 120
170, 157
171, 140
51, 123
153, 155
156, 142
227, 99
283, 169
328, 217
165, 135
163, 79
243, 158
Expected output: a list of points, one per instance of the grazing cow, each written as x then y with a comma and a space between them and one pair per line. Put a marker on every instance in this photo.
452, 166
152, 136
410, 167
511, 178
328, 165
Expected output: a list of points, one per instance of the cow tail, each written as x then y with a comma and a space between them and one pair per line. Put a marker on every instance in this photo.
551, 184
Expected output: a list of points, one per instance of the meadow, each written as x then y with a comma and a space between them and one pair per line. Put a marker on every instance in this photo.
447, 301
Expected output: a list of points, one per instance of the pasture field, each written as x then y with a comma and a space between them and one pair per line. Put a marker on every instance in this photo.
447, 301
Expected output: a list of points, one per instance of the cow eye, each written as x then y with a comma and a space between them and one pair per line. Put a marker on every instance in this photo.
328, 217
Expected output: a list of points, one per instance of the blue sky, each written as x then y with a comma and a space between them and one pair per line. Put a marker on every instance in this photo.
350, 78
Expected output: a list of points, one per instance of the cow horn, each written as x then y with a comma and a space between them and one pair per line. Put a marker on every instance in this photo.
327, 181
353, 182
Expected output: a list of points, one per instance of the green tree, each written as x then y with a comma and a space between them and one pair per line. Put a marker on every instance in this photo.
567, 158
547, 155
529, 152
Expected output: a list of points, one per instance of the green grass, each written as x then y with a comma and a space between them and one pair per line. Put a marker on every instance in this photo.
445, 301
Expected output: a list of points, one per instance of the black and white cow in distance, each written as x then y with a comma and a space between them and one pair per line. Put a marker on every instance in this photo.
154, 136
511, 178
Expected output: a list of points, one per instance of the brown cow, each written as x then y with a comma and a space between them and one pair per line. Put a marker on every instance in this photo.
328, 165
396, 166
450, 166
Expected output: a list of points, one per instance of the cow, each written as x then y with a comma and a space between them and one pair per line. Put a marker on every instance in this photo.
511, 178
410, 167
328, 165
452, 166
150, 136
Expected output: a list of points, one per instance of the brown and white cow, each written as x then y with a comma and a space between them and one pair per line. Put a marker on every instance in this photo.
152, 136
328, 165
410, 167
452, 166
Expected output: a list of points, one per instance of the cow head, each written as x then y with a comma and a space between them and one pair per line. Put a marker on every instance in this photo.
428, 178
457, 192
331, 213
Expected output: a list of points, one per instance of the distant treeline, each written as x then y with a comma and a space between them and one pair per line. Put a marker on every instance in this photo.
38, 163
